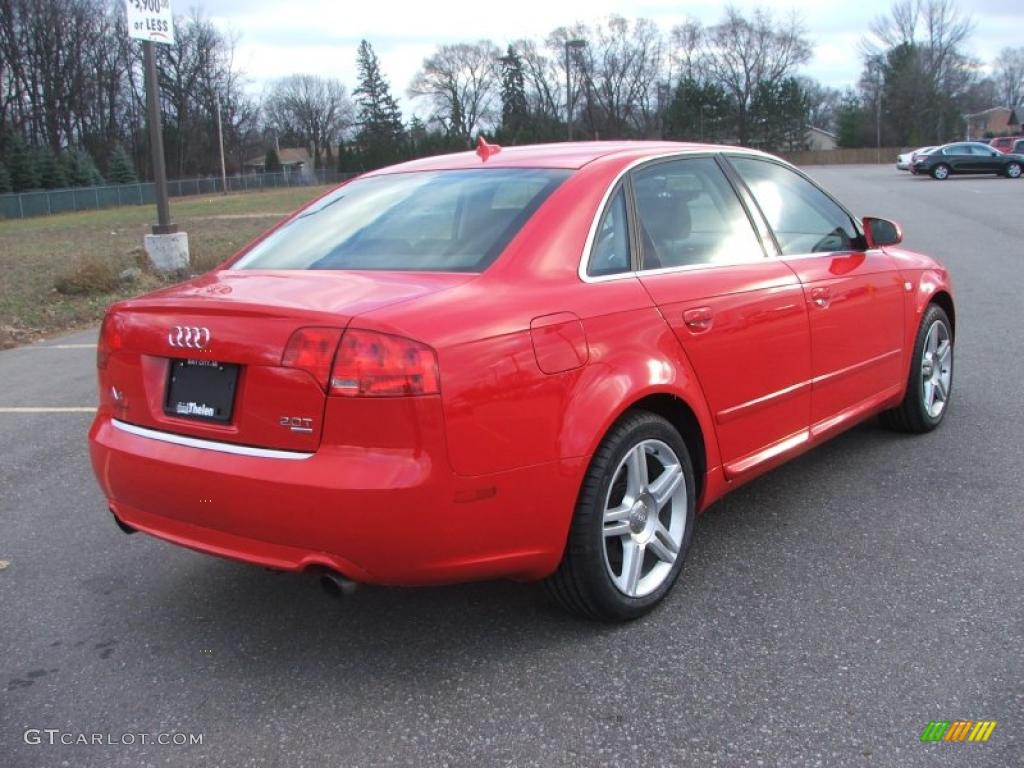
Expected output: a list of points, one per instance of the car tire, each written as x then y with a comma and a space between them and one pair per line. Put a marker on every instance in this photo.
1012, 170
930, 384
940, 172
613, 526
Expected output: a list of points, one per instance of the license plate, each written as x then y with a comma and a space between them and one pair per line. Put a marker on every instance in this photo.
201, 389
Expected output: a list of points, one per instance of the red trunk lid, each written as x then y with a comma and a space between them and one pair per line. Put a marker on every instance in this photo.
244, 318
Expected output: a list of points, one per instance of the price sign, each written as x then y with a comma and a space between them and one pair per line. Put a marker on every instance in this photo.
150, 20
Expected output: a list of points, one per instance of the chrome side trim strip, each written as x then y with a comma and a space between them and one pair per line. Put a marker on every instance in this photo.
728, 414
207, 445
856, 367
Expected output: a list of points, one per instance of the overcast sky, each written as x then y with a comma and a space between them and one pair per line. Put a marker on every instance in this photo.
320, 36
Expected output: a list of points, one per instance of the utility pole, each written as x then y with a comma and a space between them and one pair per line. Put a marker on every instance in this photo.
220, 139
570, 44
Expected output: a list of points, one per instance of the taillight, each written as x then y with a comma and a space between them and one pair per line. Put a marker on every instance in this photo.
111, 339
312, 350
371, 364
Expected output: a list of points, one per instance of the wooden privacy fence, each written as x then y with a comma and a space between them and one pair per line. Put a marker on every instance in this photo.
863, 156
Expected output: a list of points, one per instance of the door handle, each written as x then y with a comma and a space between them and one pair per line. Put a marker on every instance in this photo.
821, 297
698, 320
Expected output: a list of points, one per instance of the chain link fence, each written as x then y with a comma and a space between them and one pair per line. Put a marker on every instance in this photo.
45, 202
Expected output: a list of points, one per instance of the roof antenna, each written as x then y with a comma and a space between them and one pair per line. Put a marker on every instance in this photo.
484, 149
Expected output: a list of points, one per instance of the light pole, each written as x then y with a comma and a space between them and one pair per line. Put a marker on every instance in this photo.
577, 45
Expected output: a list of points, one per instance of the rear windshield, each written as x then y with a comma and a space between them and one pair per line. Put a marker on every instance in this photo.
451, 221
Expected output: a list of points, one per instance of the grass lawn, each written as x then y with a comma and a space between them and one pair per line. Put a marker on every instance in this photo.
36, 254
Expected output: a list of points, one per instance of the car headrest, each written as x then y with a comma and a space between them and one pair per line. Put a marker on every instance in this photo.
666, 216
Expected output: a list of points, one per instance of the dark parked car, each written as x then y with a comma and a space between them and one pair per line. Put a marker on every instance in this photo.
1018, 147
968, 157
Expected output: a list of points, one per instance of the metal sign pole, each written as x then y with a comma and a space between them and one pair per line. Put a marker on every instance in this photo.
156, 143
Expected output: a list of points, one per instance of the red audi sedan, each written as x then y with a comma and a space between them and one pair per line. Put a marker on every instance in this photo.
537, 363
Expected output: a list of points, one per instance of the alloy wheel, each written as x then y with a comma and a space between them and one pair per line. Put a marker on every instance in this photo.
645, 515
936, 369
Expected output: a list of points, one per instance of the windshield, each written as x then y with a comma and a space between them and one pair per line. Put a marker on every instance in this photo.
451, 221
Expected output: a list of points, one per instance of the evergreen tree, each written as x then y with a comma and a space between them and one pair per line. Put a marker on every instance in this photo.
381, 135
51, 172
515, 112
21, 166
272, 163
79, 168
778, 116
348, 158
5, 180
851, 122
121, 170
698, 112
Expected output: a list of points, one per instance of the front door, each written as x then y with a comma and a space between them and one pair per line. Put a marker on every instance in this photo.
854, 296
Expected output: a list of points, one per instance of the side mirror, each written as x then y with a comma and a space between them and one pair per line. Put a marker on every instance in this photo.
881, 232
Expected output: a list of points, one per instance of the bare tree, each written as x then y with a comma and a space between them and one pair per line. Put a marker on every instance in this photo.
743, 54
935, 28
686, 53
314, 109
461, 82
1009, 76
619, 69
544, 91
925, 77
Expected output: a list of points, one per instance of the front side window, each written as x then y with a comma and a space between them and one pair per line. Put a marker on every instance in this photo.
803, 218
688, 213
452, 221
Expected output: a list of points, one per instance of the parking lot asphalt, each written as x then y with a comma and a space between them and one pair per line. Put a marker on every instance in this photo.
828, 611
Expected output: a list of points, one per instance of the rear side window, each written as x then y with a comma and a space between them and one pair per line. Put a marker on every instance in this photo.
450, 221
803, 218
689, 214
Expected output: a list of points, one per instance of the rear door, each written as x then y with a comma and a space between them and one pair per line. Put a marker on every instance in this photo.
960, 158
739, 316
854, 296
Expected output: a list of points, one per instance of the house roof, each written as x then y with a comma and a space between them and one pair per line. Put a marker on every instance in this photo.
287, 156
823, 132
988, 111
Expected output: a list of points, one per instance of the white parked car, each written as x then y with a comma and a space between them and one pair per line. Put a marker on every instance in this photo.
904, 161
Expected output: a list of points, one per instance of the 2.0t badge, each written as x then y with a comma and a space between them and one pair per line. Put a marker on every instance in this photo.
189, 336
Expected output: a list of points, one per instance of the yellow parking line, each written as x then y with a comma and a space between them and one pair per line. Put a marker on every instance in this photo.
62, 346
48, 409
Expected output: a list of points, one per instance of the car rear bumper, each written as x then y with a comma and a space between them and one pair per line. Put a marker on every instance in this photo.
385, 516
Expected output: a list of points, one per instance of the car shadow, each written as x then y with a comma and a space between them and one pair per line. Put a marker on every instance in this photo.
285, 622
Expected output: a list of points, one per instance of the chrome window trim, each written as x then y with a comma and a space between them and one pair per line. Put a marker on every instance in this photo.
207, 445
581, 270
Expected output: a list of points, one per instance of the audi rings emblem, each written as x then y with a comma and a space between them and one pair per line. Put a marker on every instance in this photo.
189, 337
